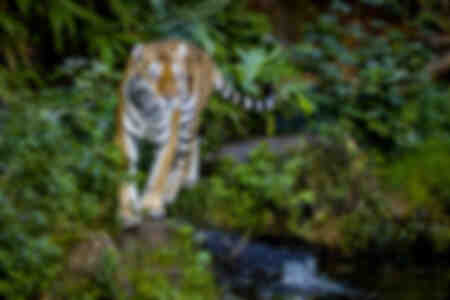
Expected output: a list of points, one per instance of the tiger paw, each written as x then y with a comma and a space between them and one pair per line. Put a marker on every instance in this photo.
153, 206
129, 220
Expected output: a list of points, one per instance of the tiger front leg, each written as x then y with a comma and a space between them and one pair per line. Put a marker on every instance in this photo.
175, 180
128, 193
152, 199
185, 171
192, 166
154, 195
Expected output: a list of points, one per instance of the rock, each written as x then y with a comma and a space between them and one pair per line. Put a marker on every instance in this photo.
150, 234
240, 151
101, 259
87, 257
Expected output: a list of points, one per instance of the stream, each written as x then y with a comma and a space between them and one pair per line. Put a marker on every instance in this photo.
257, 270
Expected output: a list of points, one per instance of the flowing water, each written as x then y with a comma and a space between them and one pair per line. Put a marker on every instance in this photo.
254, 270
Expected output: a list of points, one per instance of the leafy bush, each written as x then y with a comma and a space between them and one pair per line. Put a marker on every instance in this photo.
423, 173
67, 28
417, 209
423, 178
138, 269
376, 84
283, 197
179, 271
28, 259
58, 175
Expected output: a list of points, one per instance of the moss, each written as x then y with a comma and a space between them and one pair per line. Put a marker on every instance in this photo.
178, 271
139, 269
423, 176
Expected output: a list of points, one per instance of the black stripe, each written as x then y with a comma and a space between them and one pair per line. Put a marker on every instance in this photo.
187, 122
180, 154
141, 97
190, 110
159, 131
132, 119
187, 140
160, 143
156, 116
150, 112
178, 157
133, 136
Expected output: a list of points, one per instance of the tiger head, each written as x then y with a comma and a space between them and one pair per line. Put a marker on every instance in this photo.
159, 71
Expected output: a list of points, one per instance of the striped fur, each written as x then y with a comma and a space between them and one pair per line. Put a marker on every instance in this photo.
228, 92
166, 86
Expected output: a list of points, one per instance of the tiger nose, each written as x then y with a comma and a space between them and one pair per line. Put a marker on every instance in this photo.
167, 86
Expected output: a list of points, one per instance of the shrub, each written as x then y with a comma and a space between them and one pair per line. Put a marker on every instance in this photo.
58, 176
375, 83
270, 195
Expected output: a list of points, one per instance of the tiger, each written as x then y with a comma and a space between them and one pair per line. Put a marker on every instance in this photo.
165, 87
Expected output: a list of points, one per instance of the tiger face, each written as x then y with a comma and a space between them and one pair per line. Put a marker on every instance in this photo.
161, 70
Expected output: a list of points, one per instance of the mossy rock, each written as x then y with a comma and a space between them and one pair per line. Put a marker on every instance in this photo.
155, 260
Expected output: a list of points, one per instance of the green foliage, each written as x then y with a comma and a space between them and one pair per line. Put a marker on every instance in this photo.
140, 270
178, 271
58, 175
424, 177
418, 206
247, 197
424, 174
28, 260
104, 283
376, 84
430, 14
273, 196
59, 169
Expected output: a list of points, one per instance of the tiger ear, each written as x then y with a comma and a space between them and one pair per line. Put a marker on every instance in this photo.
137, 51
